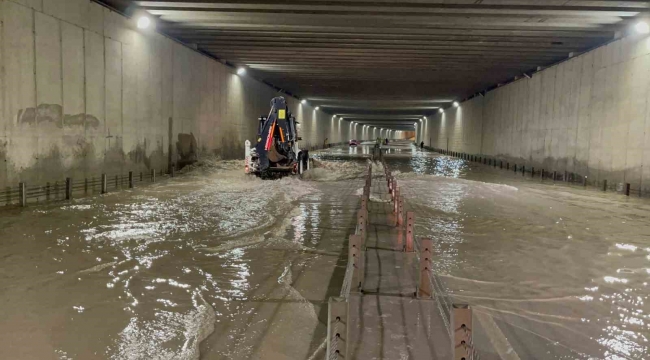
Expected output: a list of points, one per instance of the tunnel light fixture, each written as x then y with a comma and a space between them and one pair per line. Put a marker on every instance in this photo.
441, 110
241, 71
642, 27
144, 22
456, 104
303, 101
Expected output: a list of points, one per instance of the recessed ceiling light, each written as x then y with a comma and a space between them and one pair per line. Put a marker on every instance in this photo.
642, 27
143, 22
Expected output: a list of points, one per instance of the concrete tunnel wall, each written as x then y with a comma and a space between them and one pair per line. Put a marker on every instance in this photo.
588, 115
82, 92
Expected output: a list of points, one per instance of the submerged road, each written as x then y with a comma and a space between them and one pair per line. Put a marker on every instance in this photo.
215, 265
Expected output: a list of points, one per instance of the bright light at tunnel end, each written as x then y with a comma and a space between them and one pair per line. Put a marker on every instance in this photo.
143, 22
642, 27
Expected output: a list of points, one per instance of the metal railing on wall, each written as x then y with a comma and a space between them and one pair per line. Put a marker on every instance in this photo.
68, 188
65, 188
557, 177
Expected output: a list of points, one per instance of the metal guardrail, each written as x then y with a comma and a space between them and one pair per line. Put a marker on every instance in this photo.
569, 178
66, 189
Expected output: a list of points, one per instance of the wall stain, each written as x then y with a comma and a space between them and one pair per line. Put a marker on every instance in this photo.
231, 148
53, 113
187, 149
49, 113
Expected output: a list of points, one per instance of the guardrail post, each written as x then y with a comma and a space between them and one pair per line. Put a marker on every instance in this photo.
104, 184
356, 257
130, 179
604, 185
153, 175
362, 216
461, 325
424, 288
396, 201
68, 188
141, 176
172, 170
22, 191
523, 170
337, 328
410, 223
627, 189
532, 172
400, 211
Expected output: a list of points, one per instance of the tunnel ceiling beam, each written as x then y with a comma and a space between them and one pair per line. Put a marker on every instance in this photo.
348, 56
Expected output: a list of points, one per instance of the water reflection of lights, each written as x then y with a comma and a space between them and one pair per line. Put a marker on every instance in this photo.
299, 224
626, 247
612, 280
423, 163
239, 282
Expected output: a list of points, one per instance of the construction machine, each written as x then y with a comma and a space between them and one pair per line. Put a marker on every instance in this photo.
276, 152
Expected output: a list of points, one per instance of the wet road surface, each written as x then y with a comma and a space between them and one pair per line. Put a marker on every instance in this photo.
215, 265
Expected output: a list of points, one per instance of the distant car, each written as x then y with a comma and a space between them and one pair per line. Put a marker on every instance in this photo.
354, 142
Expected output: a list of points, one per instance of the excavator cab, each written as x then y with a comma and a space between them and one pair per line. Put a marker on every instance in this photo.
276, 151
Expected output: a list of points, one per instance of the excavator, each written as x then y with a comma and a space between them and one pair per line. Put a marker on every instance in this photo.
276, 152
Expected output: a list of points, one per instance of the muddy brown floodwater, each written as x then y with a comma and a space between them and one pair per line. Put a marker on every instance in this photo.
215, 265
211, 265
561, 271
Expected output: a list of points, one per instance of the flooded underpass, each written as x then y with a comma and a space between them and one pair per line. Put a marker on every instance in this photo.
559, 271
211, 265
215, 265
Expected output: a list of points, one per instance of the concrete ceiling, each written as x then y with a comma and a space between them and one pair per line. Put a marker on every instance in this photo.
386, 61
